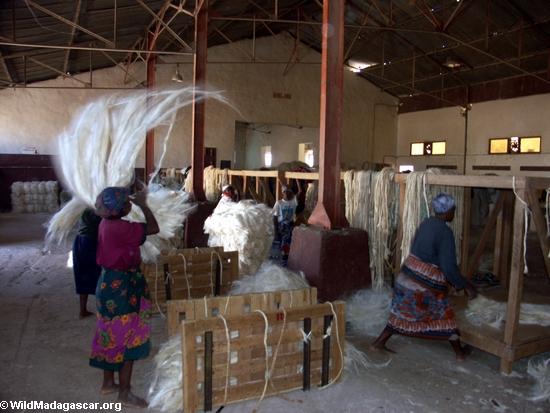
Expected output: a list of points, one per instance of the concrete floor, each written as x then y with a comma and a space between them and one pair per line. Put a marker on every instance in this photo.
45, 347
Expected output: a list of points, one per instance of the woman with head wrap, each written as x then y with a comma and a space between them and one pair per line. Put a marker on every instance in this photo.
123, 302
420, 306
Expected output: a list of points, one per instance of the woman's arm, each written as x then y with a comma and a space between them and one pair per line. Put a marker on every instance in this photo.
151, 224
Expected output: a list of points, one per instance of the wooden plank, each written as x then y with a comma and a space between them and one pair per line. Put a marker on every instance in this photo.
540, 226
480, 181
306, 383
188, 341
516, 284
248, 371
200, 308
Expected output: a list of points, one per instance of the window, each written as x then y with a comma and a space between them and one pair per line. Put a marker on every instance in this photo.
417, 149
515, 144
428, 148
406, 168
267, 158
530, 144
498, 145
306, 154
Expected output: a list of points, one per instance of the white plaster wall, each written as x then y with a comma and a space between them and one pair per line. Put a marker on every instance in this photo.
525, 116
284, 141
36, 117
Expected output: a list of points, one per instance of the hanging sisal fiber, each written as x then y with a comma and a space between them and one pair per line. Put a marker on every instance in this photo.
214, 180
100, 149
417, 207
245, 227
485, 311
372, 204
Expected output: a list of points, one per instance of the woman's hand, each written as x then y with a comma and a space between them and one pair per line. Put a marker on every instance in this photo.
139, 198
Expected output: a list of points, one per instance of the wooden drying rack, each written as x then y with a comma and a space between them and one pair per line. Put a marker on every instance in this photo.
506, 222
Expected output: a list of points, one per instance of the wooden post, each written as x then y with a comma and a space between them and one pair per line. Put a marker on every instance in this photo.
516, 286
487, 231
508, 217
499, 240
327, 212
199, 109
540, 226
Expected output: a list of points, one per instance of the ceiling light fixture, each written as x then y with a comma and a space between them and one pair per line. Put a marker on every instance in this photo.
356, 65
452, 63
177, 76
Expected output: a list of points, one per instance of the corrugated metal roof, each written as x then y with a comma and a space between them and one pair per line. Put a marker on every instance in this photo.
488, 40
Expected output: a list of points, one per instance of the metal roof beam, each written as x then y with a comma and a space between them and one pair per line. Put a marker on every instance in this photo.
68, 22
93, 49
59, 72
71, 38
535, 54
165, 26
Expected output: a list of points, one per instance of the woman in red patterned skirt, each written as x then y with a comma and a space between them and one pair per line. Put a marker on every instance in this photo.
420, 305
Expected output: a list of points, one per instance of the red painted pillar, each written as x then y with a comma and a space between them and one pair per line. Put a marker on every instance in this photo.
150, 136
199, 83
327, 213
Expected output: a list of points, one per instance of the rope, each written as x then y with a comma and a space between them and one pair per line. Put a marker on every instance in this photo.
329, 330
226, 304
269, 370
185, 275
212, 270
228, 340
526, 212
266, 375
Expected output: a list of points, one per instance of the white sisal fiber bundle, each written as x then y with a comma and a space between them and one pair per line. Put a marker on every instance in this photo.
165, 390
538, 368
170, 209
34, 196
245, 227
270, 277
211, 190
367, 310
102, 144
485, 311
417, 207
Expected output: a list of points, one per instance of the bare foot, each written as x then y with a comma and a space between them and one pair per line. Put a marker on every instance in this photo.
380, 347
109, 389
130, 400
85, 314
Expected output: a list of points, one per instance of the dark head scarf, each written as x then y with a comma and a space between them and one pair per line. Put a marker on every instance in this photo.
111, 201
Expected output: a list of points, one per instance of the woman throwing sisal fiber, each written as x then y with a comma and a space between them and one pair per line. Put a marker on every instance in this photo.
420, 306
123, 303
